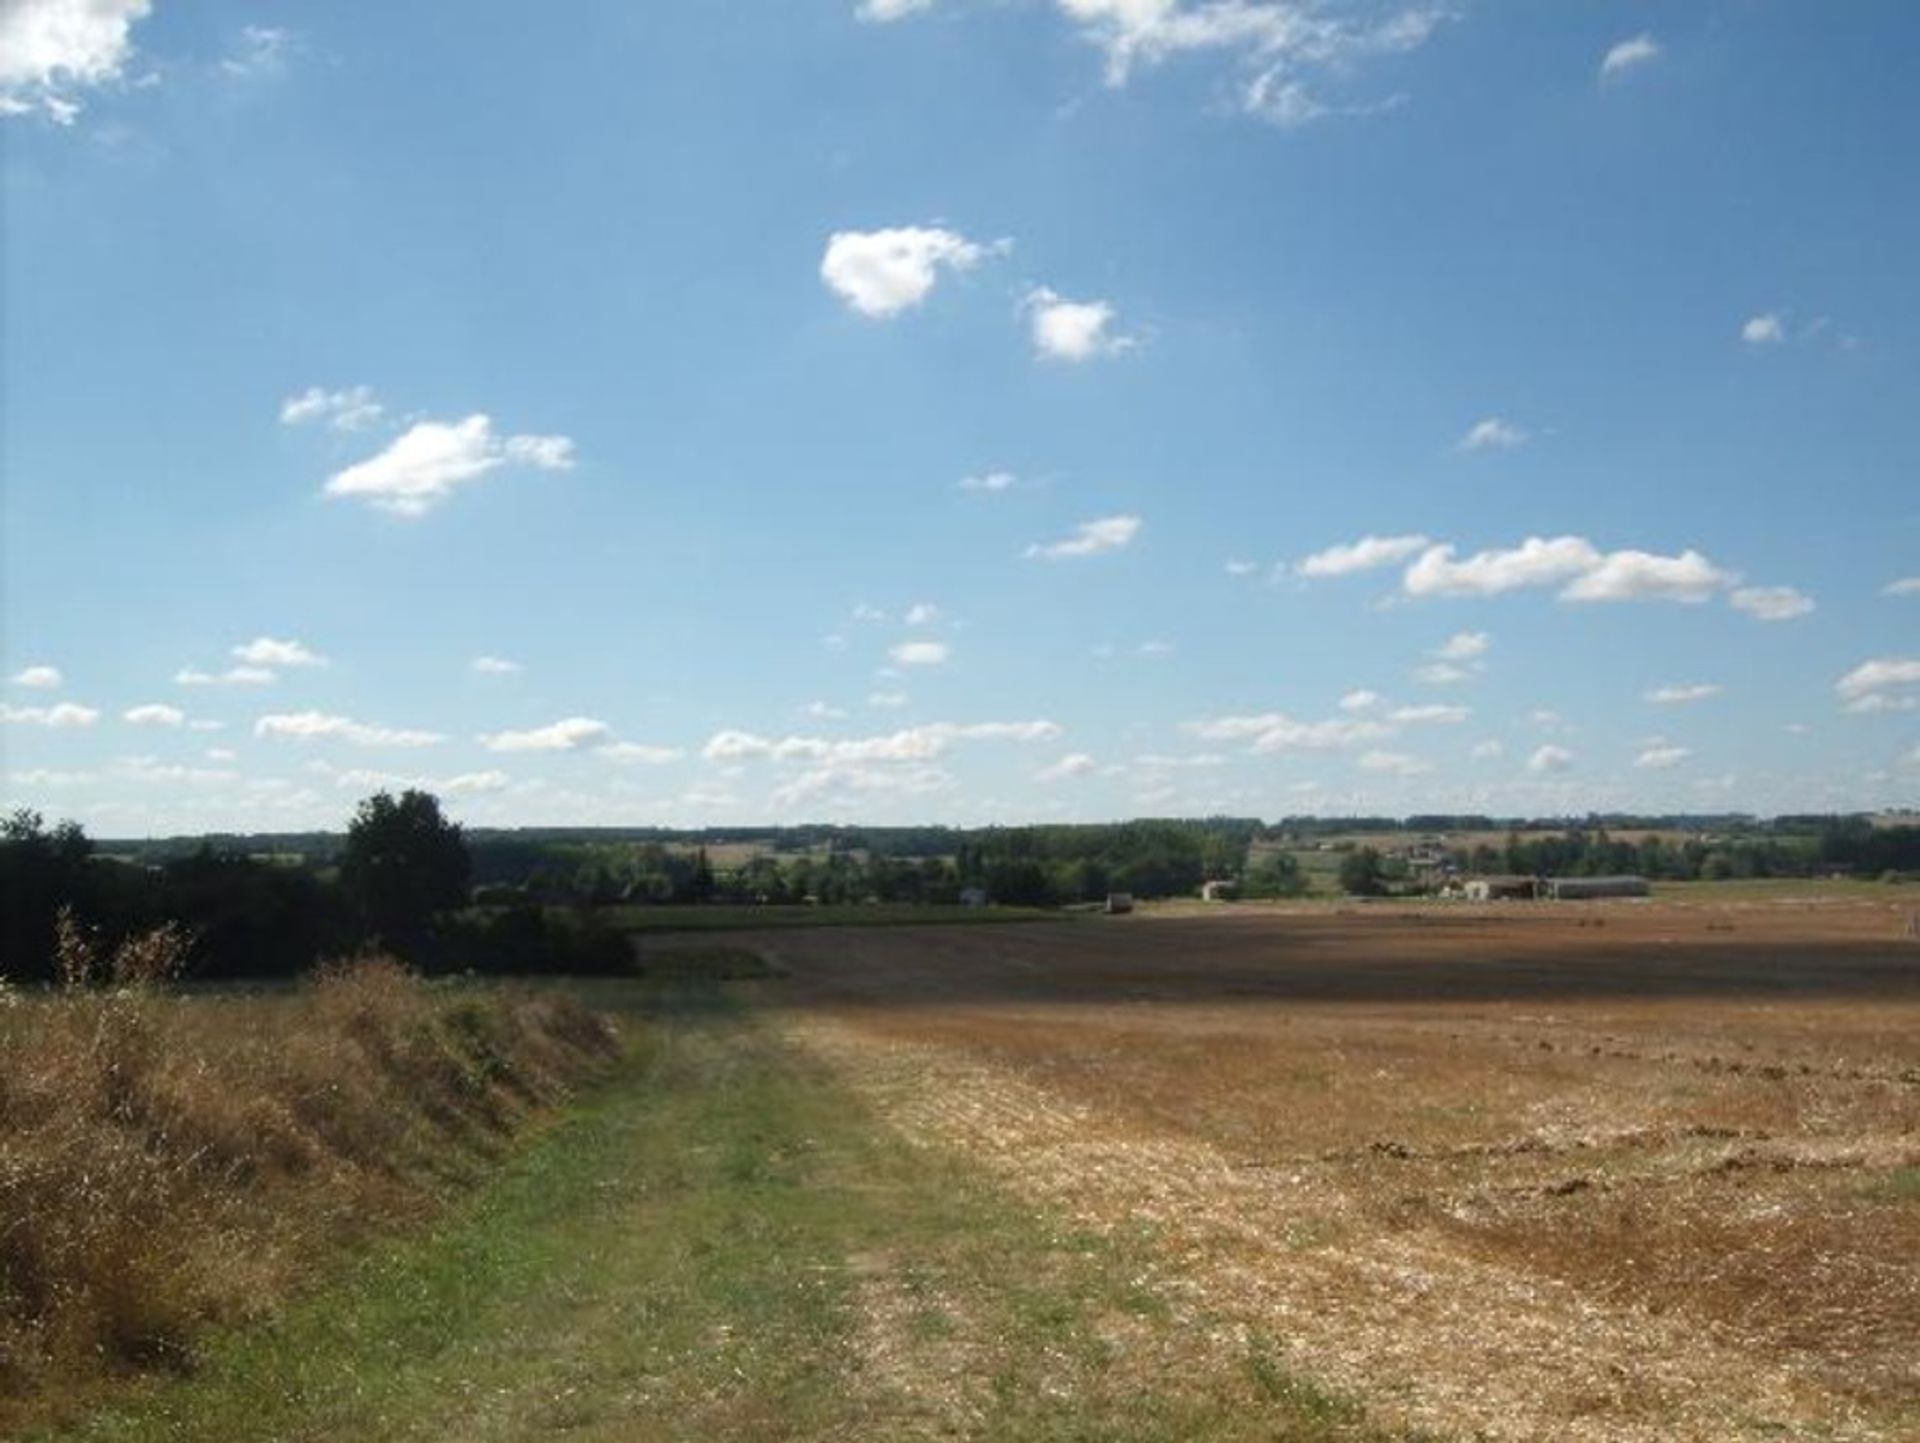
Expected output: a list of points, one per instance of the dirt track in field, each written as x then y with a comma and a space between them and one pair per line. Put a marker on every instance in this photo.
1612, 1172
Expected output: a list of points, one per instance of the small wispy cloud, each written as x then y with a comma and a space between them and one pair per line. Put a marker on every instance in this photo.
1629, 55
1764, 330
1066, 330
1089, 538
1493, 434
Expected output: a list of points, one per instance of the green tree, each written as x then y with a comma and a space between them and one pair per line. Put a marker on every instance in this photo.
403, 862
1360, 873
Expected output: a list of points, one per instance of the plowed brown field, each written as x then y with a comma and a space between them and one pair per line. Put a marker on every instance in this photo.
1621, 1171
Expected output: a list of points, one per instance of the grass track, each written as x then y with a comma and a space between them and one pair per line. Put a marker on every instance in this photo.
724, 1245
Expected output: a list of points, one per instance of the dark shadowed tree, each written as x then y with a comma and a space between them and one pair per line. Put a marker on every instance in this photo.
1360, 873
403, 862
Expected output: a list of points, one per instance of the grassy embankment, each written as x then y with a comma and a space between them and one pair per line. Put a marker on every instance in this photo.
722, 1243
172, 1163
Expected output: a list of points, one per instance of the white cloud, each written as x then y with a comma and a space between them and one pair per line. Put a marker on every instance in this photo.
1764, 330
468, 783
911, 744
1491, 747
346, 410
1065, 330
1241, 568
1535, 562
919, 653
495, 666
1074, 764
1905, 586
1277, 732
1442, 673
261, 51
823, 711
1628, 55
848, 784
1660, 757
1875, 678
989, 481
1360, 700
561, 736
1771, 603
1416, 715
1362, 555
887, 700
51, 48
1154, 648
1644, 576
1693, 691
1090, 538
421, 468
1550, 758
265, 651
1464, 646
40, 677
1398, 764
232, 676
154, 714
922, 613
1283, 46
1493, 434
316, 726
640, 752
885, 10
61, 714
883, 272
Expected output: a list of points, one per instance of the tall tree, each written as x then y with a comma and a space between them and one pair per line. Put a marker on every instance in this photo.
403, 862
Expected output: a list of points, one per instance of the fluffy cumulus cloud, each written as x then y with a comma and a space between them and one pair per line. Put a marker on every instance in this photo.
566, 735
1464, 646
1771, 603
1882, 684
1428, 715
1285, 49
1629, 55
1682, 692
267, 651
308, 726
919, 653
1065, 330
1574, 564
61, 714
425, 464
1271, 732
1549, 758
154, 714
1764, 330
1089, 538
1074, 764
50, 50
1537, 561
41, 678
1493, 434
885, 10
911, 744
881, 273
1659, 756
345, 410
1362, 555
1360, 700
232, 676
1645, 576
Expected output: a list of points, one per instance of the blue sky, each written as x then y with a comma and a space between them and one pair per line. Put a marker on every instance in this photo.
974, 410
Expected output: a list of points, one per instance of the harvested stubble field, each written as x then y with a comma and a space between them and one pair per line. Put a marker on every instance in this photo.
1607, 1171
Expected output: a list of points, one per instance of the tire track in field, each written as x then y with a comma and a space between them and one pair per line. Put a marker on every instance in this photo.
1427, 1337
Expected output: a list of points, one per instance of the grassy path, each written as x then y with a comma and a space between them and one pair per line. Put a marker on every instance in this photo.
725, 1245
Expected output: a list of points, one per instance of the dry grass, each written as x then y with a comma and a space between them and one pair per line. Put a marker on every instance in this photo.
170, 1162
1628, 1172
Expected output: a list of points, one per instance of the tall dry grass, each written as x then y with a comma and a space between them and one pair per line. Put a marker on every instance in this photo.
171, 1161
